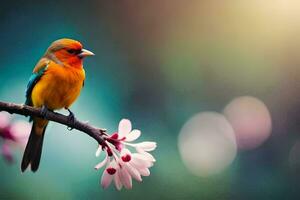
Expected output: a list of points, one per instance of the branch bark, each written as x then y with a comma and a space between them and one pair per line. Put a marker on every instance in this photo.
25, 110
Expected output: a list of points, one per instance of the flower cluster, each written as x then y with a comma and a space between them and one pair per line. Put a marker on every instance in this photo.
12, 134
121, 165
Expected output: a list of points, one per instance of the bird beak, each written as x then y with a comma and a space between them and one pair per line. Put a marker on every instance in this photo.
85, 53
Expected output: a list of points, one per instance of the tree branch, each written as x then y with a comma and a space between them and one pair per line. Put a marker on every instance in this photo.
25, 110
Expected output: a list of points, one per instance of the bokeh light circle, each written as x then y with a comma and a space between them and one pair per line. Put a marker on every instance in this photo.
4, 119
20, 131
250, 120
207, 144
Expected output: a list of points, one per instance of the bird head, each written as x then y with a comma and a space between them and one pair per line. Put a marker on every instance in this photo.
68, 52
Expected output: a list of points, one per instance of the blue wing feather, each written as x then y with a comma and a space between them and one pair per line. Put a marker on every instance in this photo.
35, 77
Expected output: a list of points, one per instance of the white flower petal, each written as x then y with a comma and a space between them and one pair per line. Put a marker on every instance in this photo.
125, 151
140, 163
106, 179
143, 159
125, 178
146, 146
147, 155
117, 180
102, 163
124, 128
133, 172
99, 150
139, 156
144, 171
133, 135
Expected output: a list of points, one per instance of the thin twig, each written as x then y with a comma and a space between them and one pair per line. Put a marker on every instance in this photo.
25, 110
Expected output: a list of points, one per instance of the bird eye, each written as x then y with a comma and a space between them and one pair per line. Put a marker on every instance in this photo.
71, 51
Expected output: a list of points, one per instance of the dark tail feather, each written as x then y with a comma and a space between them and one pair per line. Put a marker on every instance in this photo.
33, 150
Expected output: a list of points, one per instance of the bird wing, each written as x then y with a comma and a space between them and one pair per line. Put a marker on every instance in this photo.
41, 64
38, 72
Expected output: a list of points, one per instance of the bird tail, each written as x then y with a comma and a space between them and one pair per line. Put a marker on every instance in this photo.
33, 150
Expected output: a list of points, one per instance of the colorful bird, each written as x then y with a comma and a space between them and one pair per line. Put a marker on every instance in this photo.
56, 83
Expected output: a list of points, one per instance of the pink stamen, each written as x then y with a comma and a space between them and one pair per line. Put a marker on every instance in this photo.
119, 146
111, 170
114, 136
126, 158
109, 152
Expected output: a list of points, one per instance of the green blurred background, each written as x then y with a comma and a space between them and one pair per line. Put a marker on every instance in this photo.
158, 63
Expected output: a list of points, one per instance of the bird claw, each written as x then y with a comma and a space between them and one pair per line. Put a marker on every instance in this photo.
44, 111
71, 120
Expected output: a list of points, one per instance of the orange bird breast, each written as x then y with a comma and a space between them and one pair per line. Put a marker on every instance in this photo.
59, 87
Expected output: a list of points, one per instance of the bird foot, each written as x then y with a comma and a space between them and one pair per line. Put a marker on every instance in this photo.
71, 120
44, 111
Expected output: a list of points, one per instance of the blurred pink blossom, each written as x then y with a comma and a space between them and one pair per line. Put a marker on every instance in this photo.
12, 134
121, 165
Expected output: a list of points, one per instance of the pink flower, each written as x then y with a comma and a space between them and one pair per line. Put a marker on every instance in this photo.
121, 165
12, 134
6, 152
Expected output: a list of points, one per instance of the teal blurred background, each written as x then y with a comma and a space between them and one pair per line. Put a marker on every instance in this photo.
158, 63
